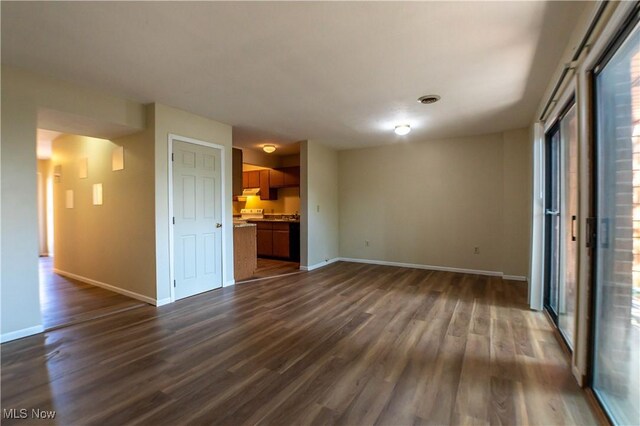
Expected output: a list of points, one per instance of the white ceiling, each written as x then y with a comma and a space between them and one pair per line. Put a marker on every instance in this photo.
344, 73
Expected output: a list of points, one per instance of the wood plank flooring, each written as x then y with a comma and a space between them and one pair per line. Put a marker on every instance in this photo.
65, 301
273, 268
346, 344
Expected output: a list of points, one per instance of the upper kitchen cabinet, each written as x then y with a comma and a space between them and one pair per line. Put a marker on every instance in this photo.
285, 177
291, 176
276, 178
266, 191
238, 183
251, 179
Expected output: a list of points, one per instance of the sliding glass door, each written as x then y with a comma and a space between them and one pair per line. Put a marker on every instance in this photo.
561, 205
616, 339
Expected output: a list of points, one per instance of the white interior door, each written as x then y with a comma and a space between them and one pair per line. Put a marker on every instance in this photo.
197, 229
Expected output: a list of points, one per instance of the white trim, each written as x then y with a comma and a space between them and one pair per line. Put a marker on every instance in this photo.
611, 27
320, 265
229, 283
578, 375
19, 334
567, 92
536, 260
514, 278
113, 288
163, 302
223, 195
421, 266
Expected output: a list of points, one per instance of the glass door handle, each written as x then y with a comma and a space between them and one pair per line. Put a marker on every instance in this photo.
552, 212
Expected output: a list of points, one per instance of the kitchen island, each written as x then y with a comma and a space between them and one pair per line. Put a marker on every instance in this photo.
245, 254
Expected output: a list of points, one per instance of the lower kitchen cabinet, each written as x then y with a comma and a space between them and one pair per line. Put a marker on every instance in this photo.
279, 240
265, 241
281, 236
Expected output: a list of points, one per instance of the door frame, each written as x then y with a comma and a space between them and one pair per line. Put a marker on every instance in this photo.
567, 101
223, 195
548, 230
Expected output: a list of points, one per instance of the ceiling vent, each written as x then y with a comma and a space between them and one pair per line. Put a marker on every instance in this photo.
428, 99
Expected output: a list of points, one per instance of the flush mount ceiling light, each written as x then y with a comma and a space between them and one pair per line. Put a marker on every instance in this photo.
269, 148
428, 99
402, 129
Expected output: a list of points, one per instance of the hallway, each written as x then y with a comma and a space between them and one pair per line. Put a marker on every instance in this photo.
65, 301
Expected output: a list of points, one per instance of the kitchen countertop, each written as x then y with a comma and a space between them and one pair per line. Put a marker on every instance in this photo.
242, 224
274, 220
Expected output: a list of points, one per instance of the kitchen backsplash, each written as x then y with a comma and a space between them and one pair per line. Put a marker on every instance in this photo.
288, 202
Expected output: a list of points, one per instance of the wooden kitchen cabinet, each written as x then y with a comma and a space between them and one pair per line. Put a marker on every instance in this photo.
285, 177
266, 191
265, 238
238, 176
276, 178
251, 179
281, 240
291, 176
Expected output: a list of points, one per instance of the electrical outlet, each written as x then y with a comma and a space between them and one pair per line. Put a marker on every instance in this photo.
476, 250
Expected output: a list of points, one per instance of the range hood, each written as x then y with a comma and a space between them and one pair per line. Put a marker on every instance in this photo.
250, 191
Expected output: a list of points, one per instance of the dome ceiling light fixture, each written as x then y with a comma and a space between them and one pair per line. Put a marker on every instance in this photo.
402, 129
269, 148
428, 99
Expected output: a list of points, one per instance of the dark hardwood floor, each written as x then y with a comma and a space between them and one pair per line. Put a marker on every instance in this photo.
65, 301
346, 344
273, 268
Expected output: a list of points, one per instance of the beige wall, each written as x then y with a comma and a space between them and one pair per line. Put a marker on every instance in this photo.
319, 232
20, 306
168, 120
112, 243
433, 202
517, 179
260, 158
25, 96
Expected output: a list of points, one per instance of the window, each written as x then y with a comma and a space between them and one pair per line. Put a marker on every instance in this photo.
616, 351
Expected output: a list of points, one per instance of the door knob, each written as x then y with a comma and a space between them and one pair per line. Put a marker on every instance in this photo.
218, 225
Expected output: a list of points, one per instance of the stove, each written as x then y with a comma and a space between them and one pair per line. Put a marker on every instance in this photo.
246, 214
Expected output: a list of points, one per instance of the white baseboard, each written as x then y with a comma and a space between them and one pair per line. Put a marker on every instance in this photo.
19, 334
514, 278
115, 289
229, 283
319, 265
434, 268
162, 302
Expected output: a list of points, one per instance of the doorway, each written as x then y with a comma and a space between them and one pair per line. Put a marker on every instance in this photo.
196, 201
561, 205
69, 228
